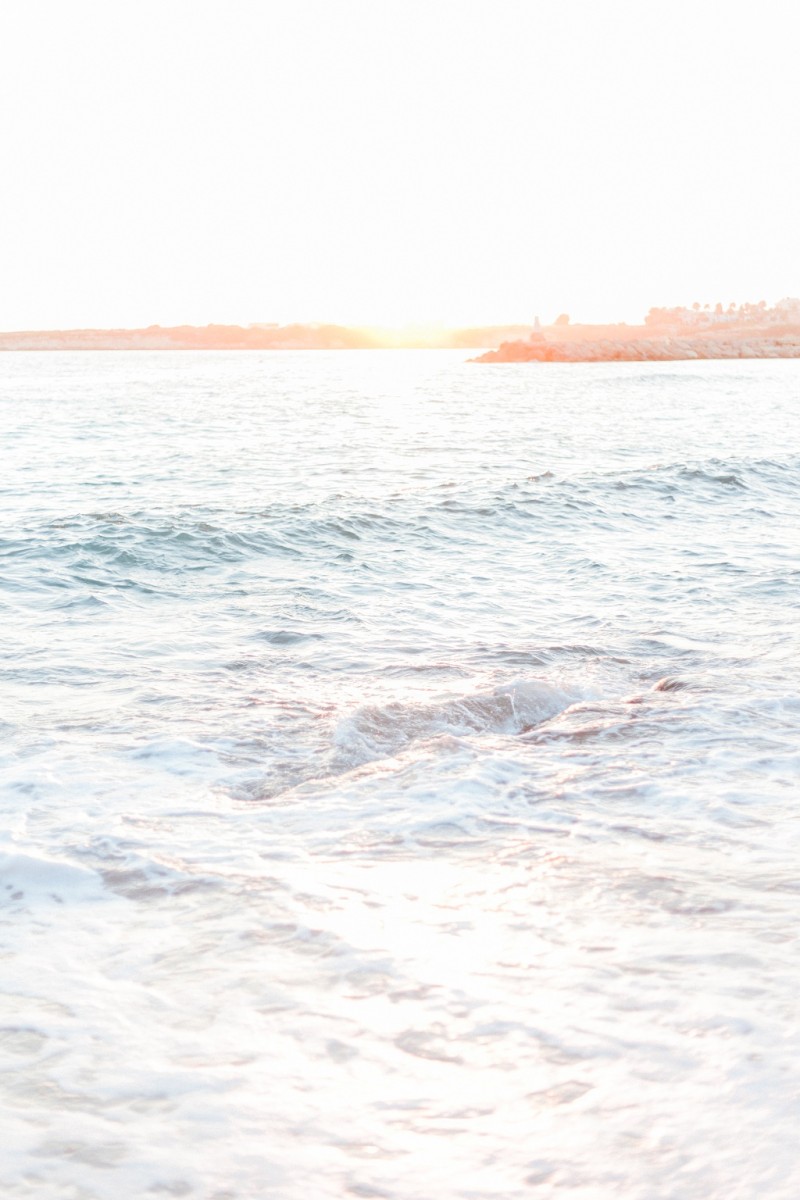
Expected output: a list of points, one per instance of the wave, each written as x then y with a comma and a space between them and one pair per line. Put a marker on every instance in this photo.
143, 550
382, 731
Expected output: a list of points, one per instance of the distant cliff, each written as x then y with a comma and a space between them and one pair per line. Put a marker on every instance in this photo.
261, 337
190, 337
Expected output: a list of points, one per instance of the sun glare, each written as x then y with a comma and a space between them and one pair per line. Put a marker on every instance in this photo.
391, 164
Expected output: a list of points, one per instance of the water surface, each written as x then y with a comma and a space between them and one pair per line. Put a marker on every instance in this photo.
399, 777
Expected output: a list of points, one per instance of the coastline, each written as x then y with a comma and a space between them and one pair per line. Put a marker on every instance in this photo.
747, 344
491, 344
265, 337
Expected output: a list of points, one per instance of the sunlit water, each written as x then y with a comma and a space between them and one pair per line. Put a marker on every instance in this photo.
399, 775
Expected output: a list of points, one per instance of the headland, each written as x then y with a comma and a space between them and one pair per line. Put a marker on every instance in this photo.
667, 334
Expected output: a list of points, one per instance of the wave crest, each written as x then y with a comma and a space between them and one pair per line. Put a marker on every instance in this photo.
380, 731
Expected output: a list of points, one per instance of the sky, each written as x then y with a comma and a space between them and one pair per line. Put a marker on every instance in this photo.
394, 161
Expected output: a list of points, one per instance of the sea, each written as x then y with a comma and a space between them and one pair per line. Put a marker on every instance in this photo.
399, 764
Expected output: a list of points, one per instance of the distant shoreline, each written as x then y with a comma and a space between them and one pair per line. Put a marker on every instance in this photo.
561, 342
264, 337
745, 344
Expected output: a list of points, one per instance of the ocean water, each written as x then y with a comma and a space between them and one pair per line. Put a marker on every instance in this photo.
399, 775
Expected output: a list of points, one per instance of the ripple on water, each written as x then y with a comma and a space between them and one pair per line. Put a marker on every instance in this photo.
398, 778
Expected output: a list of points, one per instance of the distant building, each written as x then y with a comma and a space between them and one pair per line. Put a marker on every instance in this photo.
754, 316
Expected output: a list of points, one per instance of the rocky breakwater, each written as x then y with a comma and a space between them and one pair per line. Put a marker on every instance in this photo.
539, 348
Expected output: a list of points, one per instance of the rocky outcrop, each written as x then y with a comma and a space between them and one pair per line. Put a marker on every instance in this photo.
654, 349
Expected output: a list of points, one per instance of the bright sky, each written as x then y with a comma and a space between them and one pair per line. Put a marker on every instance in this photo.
391, 161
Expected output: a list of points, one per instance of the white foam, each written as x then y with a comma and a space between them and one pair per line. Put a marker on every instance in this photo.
379, 731
27, 878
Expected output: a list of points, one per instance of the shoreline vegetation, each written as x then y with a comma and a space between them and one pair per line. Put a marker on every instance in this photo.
667, 334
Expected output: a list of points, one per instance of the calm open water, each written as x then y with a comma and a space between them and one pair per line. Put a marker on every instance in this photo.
399, 778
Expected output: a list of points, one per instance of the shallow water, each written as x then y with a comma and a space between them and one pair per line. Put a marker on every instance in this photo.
399, 777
